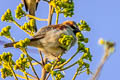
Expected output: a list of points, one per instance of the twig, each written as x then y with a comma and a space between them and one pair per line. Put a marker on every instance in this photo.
11, 39
53, 66
41, 58
30, 75
36, 61
47, 76
22, 77
57, 67
75, 75
83, 71
21, 28
24, 50
33, 69
43, 76
68, 66
50, 14
51, 70
26, 76
30, 16
13, 72
57, 17
103, 60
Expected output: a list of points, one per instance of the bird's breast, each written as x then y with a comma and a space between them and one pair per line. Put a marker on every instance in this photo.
50, 41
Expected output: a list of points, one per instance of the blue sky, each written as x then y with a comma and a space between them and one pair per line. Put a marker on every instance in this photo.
103, 16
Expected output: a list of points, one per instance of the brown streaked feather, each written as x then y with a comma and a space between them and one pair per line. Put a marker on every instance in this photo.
41, 33
58, 26
43, 30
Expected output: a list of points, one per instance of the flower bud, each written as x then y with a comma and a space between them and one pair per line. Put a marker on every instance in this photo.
8, 11
101, 41
21, 5
22, 55
27, 40
47, 67
86, 40
32, 22
3, 18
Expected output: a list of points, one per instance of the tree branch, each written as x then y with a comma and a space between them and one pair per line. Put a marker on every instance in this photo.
22, 77
30, 75
30, 16
44, 73
50, 14
75, 75
68, 66
13, 72
36, 61
57, 67
57, 17
103, 60
42, 58
26, 75
21, 28
24, 50
43, 76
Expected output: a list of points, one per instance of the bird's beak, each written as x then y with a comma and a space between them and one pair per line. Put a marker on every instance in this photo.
76, 30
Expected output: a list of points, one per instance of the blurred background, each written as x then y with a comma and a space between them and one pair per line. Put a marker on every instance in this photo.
103, 16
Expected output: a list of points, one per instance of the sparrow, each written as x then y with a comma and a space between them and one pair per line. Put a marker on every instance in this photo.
31, 6
47, 39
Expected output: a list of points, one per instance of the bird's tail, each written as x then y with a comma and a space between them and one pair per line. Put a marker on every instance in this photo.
33, 42
9, 45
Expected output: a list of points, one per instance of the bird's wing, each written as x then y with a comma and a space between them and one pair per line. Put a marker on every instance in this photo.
37, 1
36, 5
42, 32
26, 7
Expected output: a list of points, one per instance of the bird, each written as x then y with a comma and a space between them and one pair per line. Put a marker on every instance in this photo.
31, 6
46, 39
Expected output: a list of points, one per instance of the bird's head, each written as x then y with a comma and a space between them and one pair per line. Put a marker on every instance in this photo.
72, 25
